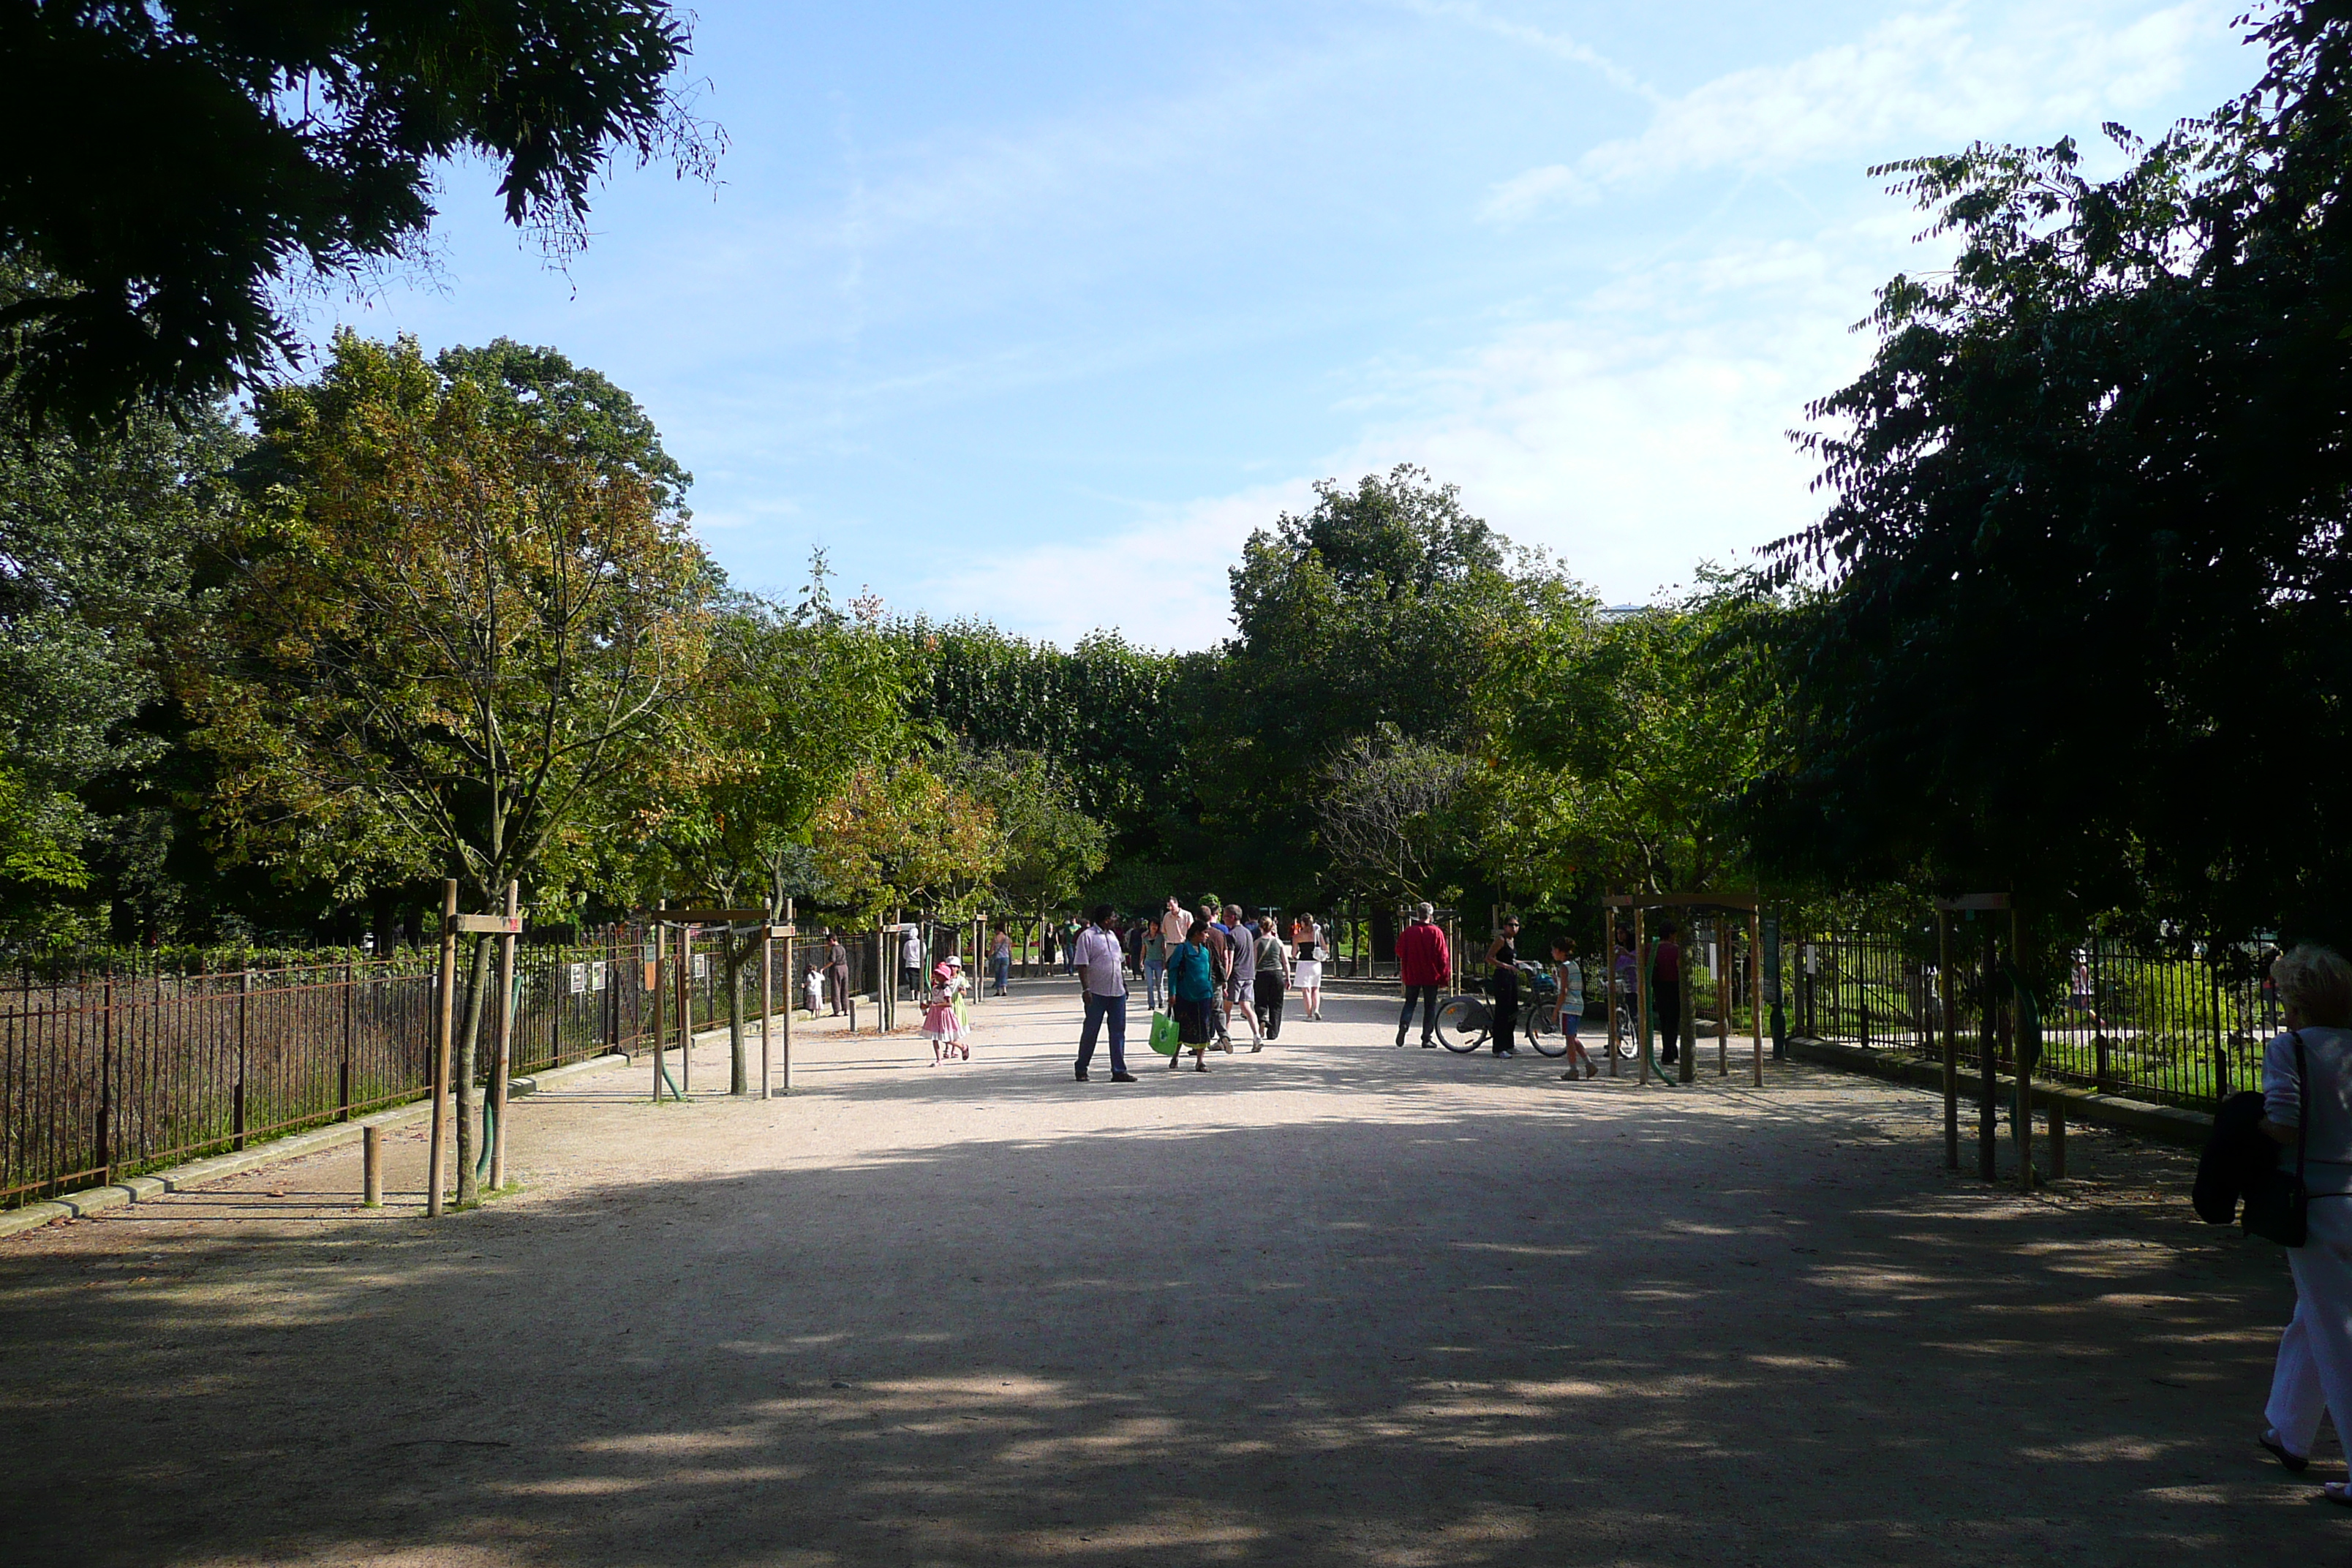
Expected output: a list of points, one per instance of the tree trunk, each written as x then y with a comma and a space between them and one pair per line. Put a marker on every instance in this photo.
461, 1077
738, 1068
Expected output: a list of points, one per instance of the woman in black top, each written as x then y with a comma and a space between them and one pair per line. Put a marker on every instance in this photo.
1505, 956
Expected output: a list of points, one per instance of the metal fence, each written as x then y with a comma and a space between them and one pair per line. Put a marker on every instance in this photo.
2181, 1026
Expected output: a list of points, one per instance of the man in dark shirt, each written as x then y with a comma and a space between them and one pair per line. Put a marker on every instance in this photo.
1667, 969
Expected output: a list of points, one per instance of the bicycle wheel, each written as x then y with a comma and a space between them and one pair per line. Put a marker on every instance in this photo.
1628, 1046
1552, 1043
1463, 1023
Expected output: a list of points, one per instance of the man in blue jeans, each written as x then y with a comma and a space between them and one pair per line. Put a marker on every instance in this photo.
1102, 967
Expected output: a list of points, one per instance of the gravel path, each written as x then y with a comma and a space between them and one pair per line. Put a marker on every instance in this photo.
1337, 1303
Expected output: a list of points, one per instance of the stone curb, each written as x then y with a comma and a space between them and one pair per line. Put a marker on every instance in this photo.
195, 1173
2167, 1123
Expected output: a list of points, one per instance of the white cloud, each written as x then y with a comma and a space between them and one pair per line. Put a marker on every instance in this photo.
1920, 82
1161, 580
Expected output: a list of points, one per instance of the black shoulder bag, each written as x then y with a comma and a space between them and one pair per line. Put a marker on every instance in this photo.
2277, 1206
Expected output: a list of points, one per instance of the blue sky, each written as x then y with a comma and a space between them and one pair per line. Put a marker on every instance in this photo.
1033, 312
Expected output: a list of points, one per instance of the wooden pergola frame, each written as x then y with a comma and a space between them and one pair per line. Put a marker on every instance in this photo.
1639, 903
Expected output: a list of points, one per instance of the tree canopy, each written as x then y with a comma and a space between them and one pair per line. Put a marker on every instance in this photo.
174, 164
2085, 619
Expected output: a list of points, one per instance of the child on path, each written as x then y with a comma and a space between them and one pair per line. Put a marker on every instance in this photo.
1571, 975
940, 1024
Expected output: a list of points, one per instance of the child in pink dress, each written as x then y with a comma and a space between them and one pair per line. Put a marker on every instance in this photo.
940, 1026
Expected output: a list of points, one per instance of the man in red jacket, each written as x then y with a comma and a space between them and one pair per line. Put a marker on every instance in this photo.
1425, 966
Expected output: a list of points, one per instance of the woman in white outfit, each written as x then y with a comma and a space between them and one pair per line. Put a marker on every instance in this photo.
2314, 1358
1306, 968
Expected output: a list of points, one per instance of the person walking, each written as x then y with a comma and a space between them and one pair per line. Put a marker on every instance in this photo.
1155, 964
1192, 1001
1071, 931
1175, 921
1096, 954
910, 964
1570, 1011
1000, 960
1241, 978
1271, 978
1306, 966
1425, 965
2307, 1107
1505, 956
1666, 982
836, 971
1211, 934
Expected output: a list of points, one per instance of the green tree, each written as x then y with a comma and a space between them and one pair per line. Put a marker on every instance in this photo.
1049, 848
794, 703
175, 163
1628, 743
2084, 593
899, 836
448, 644
1385, 604
94, 577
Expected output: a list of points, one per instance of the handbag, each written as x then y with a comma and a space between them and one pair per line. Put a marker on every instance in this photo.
2277, 1205
1164, 1033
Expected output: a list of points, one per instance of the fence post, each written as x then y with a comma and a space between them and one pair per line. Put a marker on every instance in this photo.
237, 1107
105, 1150
2103, 1077
1951, 1043
343, 1090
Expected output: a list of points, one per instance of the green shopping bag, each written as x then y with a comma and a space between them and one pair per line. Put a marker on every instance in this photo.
1163, 1034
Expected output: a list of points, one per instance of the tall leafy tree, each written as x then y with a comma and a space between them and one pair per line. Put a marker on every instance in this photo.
2085, 619
94, 574
448, 643
793, 704
175, 162
1387, 604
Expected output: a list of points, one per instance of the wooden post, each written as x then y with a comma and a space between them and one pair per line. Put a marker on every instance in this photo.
504, 1065
686, 1009
1609, 969
791, 980
444, 1029
766, 1000
372, 1166
1756, 982
2057, 1140
1989, 1111
1686, 1064
661, 997
1951, 1043
1642, 994
2022, 1114
1722, 930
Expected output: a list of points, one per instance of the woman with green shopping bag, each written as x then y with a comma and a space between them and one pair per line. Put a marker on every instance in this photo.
1192, 993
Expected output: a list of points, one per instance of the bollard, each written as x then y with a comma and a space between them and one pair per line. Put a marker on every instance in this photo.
853, 1015
372, 1167
2057, 1140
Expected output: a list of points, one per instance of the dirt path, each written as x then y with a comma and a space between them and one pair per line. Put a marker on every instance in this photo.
1337, 1303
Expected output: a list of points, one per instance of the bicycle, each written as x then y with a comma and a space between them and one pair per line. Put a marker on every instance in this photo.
1466, 1022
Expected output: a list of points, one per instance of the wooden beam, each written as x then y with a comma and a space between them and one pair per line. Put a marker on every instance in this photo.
715, 917
487, 925
1973, 901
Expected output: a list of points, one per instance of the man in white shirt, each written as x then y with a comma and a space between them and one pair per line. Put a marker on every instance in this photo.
1102, 971
1174, 924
